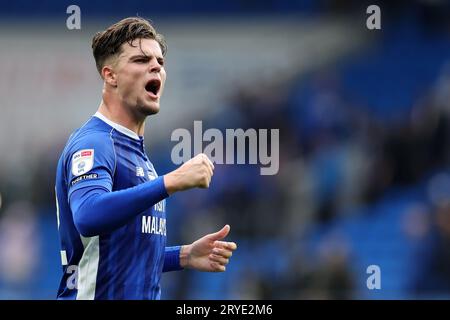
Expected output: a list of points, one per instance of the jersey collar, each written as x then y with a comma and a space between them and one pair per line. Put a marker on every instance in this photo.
117, 126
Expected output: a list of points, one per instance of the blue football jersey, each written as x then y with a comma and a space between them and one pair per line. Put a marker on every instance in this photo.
126, 263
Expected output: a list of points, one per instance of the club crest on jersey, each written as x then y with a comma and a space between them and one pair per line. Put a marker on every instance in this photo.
82, 161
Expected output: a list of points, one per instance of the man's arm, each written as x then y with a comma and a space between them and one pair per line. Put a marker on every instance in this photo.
208, 253
97, 210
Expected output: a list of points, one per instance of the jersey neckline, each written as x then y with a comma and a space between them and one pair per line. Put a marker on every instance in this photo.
117, 126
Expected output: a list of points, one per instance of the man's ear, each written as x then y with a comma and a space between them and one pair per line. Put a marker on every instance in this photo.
109, 75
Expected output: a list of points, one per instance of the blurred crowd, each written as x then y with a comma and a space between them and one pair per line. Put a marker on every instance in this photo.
337, 154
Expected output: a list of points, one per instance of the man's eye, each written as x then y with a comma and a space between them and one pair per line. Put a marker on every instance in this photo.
161, 62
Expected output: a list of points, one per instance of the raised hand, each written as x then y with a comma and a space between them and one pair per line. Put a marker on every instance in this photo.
208, 253
196, 172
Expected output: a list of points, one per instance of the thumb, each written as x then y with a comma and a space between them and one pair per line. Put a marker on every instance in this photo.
220, 234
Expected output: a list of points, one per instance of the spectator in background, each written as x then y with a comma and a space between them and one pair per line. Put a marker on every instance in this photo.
19, 250
433, 280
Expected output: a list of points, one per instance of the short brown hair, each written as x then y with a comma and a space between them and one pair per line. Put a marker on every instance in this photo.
108, 43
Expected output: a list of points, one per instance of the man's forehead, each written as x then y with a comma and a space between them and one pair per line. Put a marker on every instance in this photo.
149, 46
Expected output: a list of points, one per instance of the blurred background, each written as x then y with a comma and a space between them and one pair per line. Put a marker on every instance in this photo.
364, 119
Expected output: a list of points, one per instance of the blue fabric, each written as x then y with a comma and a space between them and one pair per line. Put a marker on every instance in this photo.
91, 207
111, 217
172, 259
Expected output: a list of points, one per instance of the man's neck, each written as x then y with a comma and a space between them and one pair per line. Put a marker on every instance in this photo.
120, 116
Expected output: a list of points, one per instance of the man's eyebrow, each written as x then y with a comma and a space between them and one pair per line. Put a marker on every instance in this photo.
140, 56
136, 56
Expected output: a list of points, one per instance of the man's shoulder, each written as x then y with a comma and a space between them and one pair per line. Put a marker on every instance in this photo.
93, 134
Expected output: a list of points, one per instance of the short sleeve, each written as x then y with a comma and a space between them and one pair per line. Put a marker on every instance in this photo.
91, 162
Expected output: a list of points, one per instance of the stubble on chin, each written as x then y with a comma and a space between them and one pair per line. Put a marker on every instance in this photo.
148, 110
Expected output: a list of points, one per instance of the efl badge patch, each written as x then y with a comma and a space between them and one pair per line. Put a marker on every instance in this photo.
82, 161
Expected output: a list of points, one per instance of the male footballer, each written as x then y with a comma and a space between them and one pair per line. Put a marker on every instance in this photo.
110, 200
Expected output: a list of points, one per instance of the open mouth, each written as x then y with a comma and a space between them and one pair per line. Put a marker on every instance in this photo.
153, 86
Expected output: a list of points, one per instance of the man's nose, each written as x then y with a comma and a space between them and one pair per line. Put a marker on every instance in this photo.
155, 67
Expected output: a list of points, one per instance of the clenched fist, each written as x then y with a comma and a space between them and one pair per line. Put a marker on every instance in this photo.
195, 173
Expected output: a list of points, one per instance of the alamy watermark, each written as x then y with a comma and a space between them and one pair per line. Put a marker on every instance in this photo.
373, 22
73, 21
72, 279
230, 148
374, 280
